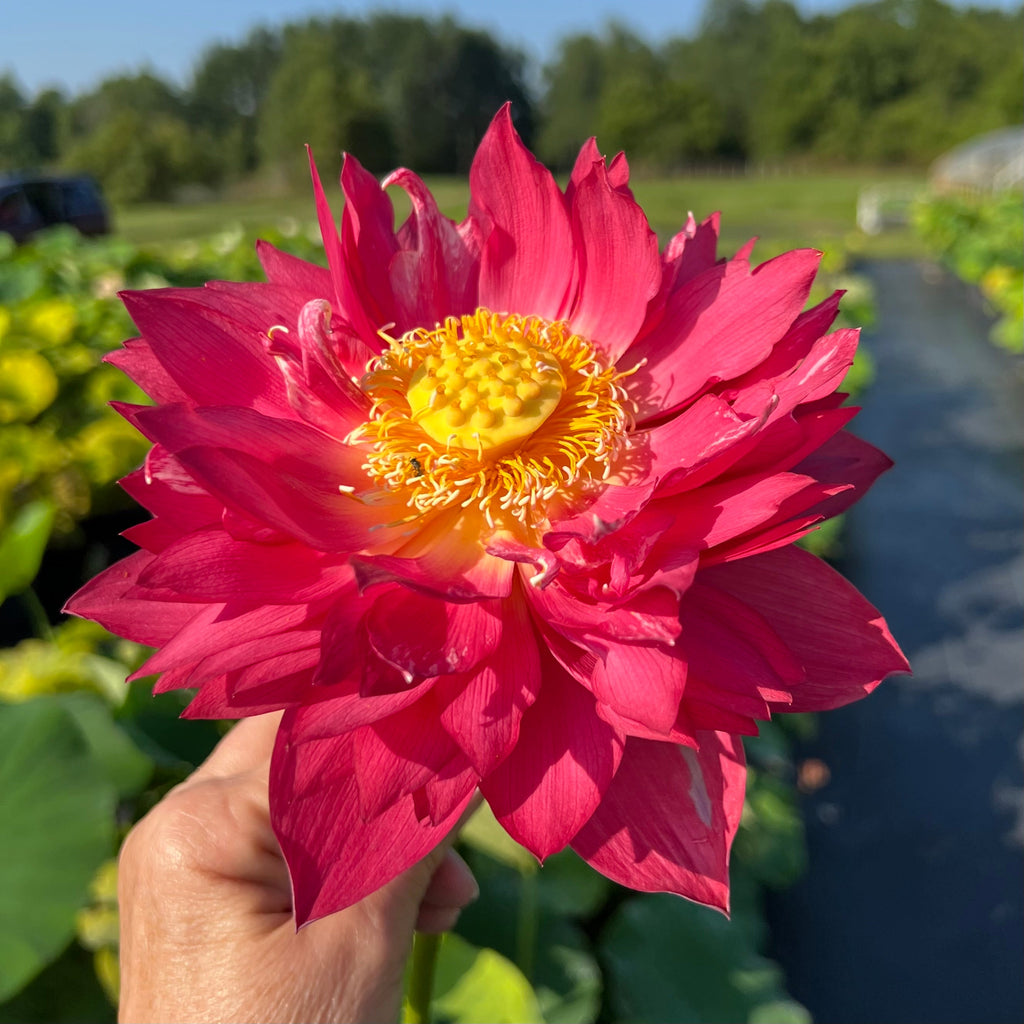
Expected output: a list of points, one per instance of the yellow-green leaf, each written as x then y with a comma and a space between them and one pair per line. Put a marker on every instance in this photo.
22, 545
484, 833
475, 985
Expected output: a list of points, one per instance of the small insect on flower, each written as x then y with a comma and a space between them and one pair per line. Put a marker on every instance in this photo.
504, 505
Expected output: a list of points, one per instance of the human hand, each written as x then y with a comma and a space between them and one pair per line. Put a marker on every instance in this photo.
207, 932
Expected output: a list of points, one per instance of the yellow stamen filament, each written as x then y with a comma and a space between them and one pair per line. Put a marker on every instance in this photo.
504, 413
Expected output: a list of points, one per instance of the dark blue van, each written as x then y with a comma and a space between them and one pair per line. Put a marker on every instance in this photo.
29, 203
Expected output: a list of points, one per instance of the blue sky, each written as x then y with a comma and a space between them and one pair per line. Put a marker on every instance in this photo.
74, 44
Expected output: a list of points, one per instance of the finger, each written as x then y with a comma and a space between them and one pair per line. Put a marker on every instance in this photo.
398, 902
452, 887
246, 748
217, 822
214, 828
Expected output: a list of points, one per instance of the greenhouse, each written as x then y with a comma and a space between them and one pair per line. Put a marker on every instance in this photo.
993, 162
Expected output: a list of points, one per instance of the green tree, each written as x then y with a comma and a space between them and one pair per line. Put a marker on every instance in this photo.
137, 158
42, 124
631, 97
226, 94
132, 133
659, 121
15, 150
441, 84
321, 95
144, 93
728, 59
574, 84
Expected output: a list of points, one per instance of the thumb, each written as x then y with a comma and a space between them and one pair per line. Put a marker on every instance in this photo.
449, 889
430, 895
373, 937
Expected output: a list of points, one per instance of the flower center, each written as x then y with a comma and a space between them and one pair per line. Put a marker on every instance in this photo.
485, 390
512, 414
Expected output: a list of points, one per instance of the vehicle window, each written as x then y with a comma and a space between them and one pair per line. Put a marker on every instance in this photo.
80, 198
46, 198
12, 208
17, 212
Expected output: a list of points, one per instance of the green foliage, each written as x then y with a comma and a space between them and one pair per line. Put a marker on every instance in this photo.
537, 918
890, 81
632, 97
661, 958
134, 134
669, 960
393, 89
42, 124
136, 156
57, 811
109, 746
474, 984
666, 959
660, 121
886, 82
80, 750
77, 657
59, 315
574, 84
66, 992
440, 84
228, 89
15, 148
22, 545
317, 72
769, 842
981, 239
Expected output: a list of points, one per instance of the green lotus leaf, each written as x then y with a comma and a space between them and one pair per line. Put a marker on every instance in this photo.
670, 960
22, 545
57, 808
474, 984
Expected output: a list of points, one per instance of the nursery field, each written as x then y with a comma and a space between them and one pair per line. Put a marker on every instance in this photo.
783, 209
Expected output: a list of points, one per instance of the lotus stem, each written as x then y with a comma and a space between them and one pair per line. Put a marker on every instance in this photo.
421, 977
36, 613
526, 925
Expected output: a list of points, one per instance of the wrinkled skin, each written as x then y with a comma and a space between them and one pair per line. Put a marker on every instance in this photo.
207, 931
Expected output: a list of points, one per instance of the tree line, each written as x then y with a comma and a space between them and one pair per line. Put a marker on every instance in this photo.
888, 81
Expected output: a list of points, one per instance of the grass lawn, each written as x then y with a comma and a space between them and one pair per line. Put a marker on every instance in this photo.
785, 211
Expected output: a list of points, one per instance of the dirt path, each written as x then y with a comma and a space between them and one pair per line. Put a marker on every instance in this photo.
913, 907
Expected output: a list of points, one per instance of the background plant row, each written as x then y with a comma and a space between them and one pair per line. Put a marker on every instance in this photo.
981, 239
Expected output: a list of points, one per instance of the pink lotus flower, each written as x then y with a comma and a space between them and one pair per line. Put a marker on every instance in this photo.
507, 504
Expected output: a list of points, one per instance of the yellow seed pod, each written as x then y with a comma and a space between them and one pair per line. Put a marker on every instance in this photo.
492, 393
